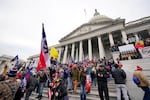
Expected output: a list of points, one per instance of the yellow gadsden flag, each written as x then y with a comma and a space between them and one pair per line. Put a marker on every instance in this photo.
54, 53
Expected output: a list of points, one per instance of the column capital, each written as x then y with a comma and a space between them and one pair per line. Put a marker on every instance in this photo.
99, 35
89, 39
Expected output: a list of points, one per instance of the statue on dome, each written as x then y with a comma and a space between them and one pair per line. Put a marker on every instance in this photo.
96, 13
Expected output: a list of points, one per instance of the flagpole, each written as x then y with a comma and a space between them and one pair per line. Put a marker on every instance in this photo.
85, 15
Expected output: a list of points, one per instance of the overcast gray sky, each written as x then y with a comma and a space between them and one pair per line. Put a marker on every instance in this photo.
21, 20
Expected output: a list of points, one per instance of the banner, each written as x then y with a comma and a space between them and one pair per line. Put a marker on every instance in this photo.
145, 52
125, 49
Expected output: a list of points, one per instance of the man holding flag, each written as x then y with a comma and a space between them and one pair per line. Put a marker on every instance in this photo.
44, 61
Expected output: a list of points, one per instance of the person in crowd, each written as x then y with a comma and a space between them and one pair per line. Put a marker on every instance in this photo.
33, 82
9, 87
21, 90
75, 77
65, 75
52, 72
93, 75
120, 80
89, 70
42, 80
69, 78
59, 91
5, 70
83, 83
102, 76
143, 82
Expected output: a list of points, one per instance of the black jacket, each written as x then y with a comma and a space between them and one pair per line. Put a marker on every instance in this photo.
119, 75
43, 77
62, 92
83, 77
104, 75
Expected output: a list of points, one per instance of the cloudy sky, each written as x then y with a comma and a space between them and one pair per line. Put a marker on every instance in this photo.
21, 20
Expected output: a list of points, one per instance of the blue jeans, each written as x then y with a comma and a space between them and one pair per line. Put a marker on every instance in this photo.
65, 82
41, 86
147, 93
82, 91
95, 80
69, 83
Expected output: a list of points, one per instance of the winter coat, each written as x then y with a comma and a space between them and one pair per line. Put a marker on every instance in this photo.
83, 76
42, 77
33, 83
62, 92
104, 75
143, 79
75, 74
8, 89
119, 75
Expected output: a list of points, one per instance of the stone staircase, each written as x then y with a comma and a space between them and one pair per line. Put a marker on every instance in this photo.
93, 95
129, 66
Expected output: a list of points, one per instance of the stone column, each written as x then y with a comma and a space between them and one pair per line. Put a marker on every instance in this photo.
59, 54
111, 39
149, 31
101, 48
80, 51
72, 50
124, 36
136, 37
65, 54
90, 49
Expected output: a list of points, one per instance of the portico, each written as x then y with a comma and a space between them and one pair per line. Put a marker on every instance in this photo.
98, 46
93, 38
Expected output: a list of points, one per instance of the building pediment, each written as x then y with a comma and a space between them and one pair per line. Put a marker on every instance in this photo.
85, 28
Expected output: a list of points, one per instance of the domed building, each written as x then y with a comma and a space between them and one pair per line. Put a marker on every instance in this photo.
95, 38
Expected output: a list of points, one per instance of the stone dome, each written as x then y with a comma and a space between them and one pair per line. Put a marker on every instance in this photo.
100, 19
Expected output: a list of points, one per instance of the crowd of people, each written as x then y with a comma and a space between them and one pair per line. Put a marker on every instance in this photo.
62, 78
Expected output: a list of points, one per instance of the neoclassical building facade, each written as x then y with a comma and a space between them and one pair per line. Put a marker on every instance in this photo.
96, 37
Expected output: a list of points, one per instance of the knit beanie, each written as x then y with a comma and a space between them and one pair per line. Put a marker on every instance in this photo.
139, 68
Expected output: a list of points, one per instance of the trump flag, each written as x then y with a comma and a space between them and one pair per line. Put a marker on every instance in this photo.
44, 60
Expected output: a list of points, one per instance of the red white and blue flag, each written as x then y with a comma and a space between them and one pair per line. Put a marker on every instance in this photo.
44, 60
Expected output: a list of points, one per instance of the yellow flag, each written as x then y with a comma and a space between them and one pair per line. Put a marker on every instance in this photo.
54, 53
141, 42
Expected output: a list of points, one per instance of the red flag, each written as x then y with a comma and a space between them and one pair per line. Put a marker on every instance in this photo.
44, 60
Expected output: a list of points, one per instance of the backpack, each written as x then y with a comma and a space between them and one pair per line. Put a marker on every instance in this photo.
136, 80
